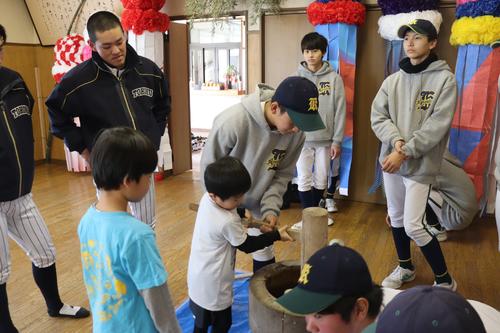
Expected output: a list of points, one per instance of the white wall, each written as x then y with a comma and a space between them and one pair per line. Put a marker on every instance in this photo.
16, 20
53, 18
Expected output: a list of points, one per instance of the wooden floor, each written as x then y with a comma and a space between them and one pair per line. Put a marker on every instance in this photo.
63, 198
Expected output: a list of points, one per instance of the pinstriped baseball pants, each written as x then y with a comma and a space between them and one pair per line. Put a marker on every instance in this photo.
406, 201
145, 210
20, 220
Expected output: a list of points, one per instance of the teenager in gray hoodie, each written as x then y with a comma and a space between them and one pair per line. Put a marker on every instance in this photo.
264, 131
324, 145
411, 115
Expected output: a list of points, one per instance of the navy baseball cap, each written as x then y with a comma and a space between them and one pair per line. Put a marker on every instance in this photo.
333, 272
429, 309
299, 96
419, 26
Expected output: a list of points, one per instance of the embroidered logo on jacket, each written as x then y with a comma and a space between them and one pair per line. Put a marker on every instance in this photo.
324, 88
274, 161
21, 110
142, 91
424, 101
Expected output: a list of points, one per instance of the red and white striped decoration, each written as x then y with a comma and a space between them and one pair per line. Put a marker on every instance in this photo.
69, 51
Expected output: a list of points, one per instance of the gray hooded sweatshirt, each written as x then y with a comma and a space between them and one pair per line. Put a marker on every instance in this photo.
331, 105
242, 131
417, 108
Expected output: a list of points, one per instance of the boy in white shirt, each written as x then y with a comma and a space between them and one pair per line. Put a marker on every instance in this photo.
218, 232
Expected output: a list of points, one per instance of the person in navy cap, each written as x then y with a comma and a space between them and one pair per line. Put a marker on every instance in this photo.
265, 132
429, 309
335, 292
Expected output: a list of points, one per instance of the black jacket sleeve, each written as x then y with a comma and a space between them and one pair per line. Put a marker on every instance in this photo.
161, 109
62, 124
254, 243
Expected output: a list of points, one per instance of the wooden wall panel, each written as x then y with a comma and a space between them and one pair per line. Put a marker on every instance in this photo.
24, 59
177, 64
254, 68
282, 36
45, 60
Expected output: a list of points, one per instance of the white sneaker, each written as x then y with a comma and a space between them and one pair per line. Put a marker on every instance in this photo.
398, 276
441, 235
452, 286
297, 226
331, 206
330, 221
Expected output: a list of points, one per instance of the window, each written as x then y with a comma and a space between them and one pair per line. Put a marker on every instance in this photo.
217, 53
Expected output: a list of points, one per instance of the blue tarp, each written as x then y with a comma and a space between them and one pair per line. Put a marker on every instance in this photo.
239, 310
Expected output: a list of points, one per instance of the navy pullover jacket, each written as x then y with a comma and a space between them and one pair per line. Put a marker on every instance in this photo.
16, 136
138, 98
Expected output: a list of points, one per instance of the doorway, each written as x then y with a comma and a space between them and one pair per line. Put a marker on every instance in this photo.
217, 74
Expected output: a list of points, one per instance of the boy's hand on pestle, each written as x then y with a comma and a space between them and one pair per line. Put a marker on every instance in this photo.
285, 237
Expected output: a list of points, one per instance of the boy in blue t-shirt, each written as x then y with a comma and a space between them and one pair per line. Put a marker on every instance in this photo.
122, 268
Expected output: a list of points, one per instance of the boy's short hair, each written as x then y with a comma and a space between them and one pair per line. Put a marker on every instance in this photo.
3, 34
121, 152
227, 177
102, 21
314, 41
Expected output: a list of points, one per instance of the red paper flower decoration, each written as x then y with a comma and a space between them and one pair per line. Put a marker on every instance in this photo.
143, 4
144, 15
340, 11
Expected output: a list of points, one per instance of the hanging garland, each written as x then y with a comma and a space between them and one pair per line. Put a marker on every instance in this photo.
340, 11
217, 9
144, 15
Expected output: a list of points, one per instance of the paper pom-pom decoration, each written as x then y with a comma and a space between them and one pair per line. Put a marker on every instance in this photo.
340, 11
388, 25
479, 8
392, 7
482, 30
144, 15
69, 51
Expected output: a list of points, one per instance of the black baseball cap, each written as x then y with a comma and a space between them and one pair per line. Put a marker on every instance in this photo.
332, 272
299, 96
419, 26
429, 309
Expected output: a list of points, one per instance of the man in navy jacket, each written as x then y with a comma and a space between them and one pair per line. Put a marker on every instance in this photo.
116, 87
